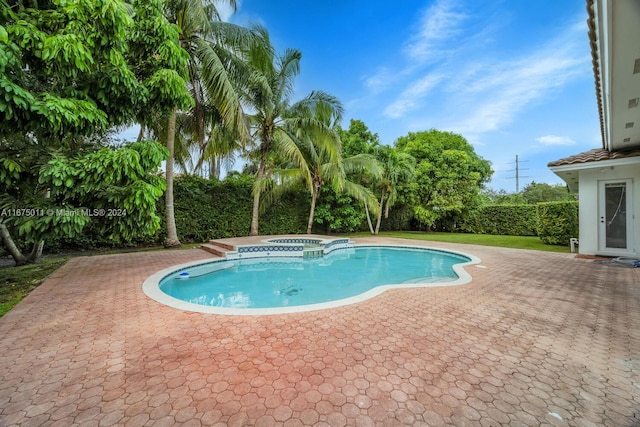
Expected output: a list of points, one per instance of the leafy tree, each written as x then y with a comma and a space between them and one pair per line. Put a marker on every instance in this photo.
358, 139
490, 196
72, 70
115, 190
338, 211
532, 194
542, 192
77, 68
449, 174
278, 124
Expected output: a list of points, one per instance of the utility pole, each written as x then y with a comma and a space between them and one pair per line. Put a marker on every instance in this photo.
517, 171
517, 176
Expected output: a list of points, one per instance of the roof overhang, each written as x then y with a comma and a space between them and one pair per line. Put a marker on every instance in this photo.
569, 168
614, 33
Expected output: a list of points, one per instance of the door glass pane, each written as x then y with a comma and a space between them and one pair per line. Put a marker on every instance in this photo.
616, 215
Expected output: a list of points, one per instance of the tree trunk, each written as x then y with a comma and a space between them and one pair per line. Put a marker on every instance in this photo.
141, 133
314, 198
218, 167
255, 215
366, 209
381, 212
11, 246
171, 240
386, 209
36, 252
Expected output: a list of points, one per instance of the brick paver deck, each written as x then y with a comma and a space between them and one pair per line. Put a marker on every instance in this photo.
535, 339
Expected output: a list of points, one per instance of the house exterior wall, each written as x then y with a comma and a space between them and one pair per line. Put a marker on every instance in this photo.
589, 205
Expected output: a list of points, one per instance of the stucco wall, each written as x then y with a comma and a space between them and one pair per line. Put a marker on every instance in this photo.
589, 219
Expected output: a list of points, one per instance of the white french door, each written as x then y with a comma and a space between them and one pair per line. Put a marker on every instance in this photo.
615, 217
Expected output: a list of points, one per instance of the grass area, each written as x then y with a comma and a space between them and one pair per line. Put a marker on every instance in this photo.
17, 282
514, 242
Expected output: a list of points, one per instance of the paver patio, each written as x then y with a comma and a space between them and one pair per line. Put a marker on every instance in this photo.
536, 338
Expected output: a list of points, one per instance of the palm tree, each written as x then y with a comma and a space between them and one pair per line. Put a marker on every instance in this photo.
211, 66
324, 163
397, 167
277, 124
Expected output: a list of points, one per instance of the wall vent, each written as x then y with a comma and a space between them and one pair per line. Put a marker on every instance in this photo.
633, 103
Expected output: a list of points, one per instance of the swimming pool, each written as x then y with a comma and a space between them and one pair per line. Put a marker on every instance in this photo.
279, 285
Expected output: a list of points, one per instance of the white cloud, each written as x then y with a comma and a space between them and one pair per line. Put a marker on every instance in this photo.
498, 93
555, 140
411, 98
379, 81
438, 25
456, 77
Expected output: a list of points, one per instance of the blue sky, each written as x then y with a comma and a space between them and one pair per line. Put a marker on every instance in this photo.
513, 77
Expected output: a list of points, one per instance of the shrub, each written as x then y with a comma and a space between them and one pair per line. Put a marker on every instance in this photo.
511, 220
206, 209
338, 213
557, 222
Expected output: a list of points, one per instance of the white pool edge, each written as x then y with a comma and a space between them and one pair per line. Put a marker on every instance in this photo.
151, 288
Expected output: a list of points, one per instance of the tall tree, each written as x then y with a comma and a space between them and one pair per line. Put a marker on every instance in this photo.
277, 123
69, 70
449, 174
214, 49
398, 167
358, 139
538, 192
324, 164
339, 211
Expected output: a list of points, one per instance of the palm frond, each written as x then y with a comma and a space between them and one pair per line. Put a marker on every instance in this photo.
363, 163
362, 194
219, 87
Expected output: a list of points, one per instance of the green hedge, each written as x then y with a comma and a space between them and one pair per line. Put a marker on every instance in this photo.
510, 220
216, 209
206, 209
557, 222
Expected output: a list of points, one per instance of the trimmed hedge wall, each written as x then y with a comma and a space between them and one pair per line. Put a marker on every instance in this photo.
554, 222
216, 209
557, 222
510, 220
206, 209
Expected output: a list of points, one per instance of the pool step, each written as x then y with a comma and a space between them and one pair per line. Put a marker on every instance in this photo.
313, 253
214, 249
223, 245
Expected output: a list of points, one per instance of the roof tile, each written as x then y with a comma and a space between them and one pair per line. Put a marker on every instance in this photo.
595, 155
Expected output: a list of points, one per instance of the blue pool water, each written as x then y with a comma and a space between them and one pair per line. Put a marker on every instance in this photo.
287, 282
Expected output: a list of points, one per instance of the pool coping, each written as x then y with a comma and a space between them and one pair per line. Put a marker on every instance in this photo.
151, 287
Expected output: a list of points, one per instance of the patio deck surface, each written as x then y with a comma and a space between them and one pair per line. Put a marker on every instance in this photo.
535, 339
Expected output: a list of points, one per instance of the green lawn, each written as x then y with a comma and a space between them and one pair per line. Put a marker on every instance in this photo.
514, 242
17, 282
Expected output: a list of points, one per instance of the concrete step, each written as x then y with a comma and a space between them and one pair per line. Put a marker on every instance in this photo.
213, 249
223, 245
